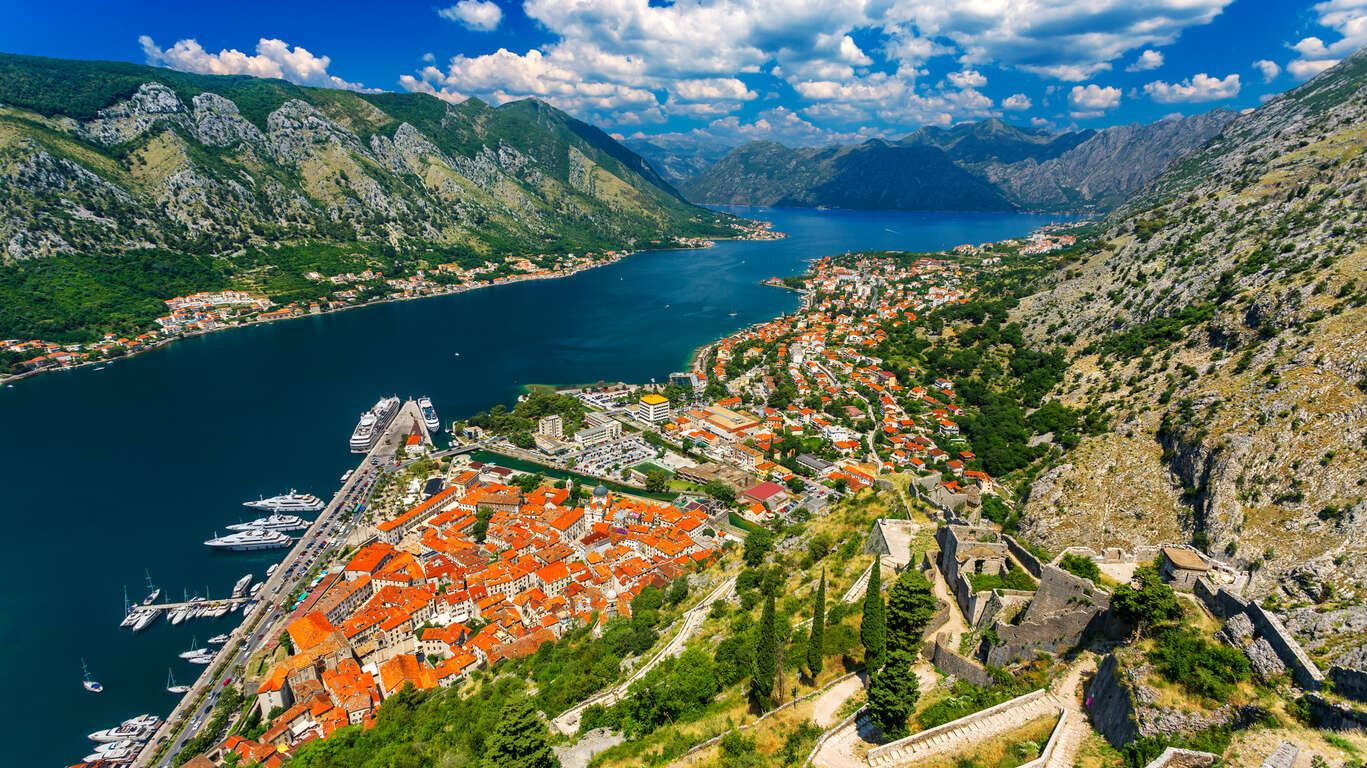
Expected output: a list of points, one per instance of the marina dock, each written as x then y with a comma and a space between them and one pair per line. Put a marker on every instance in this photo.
171, 736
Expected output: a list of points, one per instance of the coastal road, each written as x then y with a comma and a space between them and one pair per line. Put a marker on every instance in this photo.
326, 534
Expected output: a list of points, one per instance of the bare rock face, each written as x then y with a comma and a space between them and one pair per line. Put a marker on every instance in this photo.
153, 104
218, 123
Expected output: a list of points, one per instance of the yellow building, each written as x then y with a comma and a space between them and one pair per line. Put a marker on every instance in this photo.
653, 408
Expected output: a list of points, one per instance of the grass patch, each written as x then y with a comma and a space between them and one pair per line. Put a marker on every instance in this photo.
1008, 750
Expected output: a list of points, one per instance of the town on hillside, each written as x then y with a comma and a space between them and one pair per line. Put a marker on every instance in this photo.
613, 552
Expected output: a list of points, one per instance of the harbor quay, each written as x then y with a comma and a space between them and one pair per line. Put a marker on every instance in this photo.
287, 577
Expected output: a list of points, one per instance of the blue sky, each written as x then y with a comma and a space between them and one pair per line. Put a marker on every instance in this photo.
798, 71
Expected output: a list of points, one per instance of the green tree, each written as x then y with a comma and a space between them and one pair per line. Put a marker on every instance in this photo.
519, 739
1080, 565
893, 694
757, 545
1151, 603
766, 660
720, 491
678, 590
657, 480
911, 605
873, 627
481, 527
816, 642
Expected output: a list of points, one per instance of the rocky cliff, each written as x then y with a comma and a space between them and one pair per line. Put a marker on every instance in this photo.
1224, 331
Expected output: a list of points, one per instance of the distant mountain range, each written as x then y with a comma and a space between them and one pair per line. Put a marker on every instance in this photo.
983, 166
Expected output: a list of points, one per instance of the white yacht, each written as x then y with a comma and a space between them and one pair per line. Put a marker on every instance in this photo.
147, 617
88, 684
250, 540
429, 414
288, 502
241, 586
218, 640
373, 423
172, 686
275, 522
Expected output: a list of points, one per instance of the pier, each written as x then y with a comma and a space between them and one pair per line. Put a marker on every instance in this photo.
254, 629
200, 603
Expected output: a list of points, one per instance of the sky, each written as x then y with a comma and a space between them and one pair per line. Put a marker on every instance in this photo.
797, 71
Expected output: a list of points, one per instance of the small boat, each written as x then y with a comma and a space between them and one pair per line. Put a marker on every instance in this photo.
241, 586
86, 682
218, 640
99, 367
149, 615
174, 687
202, 660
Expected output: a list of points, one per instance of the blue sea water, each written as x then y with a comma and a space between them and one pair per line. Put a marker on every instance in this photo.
107, 473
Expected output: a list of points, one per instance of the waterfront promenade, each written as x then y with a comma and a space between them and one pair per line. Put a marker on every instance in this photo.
196, 707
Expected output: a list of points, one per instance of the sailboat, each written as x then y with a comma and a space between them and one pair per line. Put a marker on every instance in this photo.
86, 682
173, 686
193, 652
155, 590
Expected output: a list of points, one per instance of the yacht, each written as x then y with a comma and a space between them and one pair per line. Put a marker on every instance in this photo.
134, 729
288, 502
86, 682
149, 615
373, 423
429, 414
172, 686
114, 756
241, 586
177, 615
193, 650
218, 640
250, 541
155, 590
204, 658
347, 476
275, 522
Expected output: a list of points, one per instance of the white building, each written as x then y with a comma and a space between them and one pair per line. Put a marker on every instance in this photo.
653, 409
551, 426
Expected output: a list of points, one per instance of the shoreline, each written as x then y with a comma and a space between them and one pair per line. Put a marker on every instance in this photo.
9, 380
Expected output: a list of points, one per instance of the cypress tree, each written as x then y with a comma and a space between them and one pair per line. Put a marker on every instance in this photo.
911, 605
873, 628
893, 694
766, 660
817, 640
519, 739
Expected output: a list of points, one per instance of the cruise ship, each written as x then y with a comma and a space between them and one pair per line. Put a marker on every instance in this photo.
250, 541
429, 414
275, 522
373, 423
288, 502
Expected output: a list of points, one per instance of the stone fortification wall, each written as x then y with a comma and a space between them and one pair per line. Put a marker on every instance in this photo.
962, 667
1349, 683
1026, 557
1111, 704
1335, 717
1065, 608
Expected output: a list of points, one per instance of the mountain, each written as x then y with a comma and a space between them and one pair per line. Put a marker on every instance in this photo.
677, 157
995, 140
874, 174
107, 162
983, 166
1221, 328
1088, 169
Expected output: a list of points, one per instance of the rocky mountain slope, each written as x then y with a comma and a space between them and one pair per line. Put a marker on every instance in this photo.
983, 166
875, 174
1224, 331
107, 156
677, 158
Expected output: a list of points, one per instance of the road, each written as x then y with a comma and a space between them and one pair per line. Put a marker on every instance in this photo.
326, 535
568, 721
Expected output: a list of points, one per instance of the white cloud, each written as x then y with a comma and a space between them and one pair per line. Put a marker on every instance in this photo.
1149, 59
1016, 101
1304, 69
1094, 98
1200, 87
1269, 69
274, 58
1347, 18
610, 56
969, 78
480, 15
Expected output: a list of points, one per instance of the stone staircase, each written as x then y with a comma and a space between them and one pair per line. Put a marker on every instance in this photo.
967, 731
